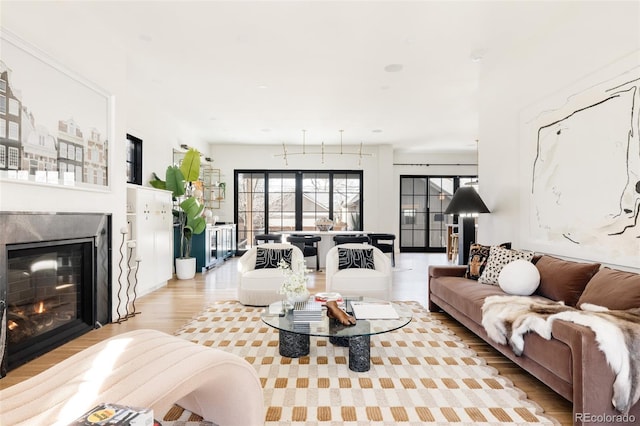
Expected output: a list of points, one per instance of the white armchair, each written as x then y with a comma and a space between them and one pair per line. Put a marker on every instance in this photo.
259, 287
359, 281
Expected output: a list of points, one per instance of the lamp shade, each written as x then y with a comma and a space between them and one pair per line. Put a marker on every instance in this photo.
466, 200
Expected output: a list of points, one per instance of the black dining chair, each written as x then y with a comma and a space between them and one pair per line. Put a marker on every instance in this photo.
268, 238
355, 238
386, 244
308, 244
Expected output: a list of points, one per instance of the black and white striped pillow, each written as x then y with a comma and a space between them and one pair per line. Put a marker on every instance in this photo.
269, 257
355, 258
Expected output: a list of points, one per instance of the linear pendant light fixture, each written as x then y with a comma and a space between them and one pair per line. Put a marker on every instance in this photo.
286, 154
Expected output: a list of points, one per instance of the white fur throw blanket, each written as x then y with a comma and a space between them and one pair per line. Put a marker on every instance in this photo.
507, 319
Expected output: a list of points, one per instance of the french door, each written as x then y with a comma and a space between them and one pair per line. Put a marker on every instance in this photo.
423, 200
274, 201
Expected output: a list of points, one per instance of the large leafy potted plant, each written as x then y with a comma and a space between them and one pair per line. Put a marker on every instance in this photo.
179, 180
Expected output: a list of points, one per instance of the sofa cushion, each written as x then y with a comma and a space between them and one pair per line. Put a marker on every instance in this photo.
465, 294
498, 258
267, 258
355, 258
613, 289
564, 280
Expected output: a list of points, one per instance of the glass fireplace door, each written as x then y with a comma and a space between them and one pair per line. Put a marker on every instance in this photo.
49, 296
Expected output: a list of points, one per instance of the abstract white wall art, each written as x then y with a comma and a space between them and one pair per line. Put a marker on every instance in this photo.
582, 170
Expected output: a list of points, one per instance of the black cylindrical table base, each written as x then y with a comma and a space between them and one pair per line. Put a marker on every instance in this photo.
293, 345
359, 353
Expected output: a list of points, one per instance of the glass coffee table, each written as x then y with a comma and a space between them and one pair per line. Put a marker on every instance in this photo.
294, 337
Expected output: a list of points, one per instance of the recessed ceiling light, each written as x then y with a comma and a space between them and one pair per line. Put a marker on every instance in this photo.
477, 55
393, 68
377, 131
262, 86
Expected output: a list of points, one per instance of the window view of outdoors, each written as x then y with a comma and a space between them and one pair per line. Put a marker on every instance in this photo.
272, 202
423, 200
315, 199
346, 201
250, 207
282, 202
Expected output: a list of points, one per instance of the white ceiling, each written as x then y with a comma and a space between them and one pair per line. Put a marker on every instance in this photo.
260, 72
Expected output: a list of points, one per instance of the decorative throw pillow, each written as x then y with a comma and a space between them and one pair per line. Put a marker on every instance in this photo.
613, 289
478, 255
355, 258
270, 257
564, 280
520, 278
498, 258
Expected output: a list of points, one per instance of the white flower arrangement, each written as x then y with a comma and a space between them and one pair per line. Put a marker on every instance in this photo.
295, 282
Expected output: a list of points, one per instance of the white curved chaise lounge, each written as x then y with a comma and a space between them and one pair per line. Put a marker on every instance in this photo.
142, 368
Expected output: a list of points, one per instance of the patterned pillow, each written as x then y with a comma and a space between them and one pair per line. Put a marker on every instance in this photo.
498, 257
478, 255
269, 257
355, 258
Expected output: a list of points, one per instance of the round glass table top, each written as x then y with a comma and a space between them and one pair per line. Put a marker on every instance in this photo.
327, 327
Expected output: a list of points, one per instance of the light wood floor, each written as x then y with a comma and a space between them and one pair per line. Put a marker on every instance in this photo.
174, 305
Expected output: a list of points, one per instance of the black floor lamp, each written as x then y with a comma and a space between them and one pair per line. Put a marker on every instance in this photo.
465, 202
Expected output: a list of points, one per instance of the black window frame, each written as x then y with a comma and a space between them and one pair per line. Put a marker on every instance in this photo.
428, 225
299, 173
134, 160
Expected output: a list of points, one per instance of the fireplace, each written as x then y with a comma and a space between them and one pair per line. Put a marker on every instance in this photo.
55, 281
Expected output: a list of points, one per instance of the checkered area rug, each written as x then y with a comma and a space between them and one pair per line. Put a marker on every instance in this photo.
420, 374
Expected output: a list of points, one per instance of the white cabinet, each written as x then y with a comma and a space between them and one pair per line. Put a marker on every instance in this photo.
151, 227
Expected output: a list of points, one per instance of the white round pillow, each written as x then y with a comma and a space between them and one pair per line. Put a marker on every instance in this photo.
519, 277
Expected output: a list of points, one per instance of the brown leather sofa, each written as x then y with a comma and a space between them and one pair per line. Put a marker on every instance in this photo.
570, 363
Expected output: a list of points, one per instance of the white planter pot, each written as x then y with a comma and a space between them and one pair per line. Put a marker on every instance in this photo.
302, 297
186, 268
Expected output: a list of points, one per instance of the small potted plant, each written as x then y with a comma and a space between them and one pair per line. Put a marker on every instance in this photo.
189, 211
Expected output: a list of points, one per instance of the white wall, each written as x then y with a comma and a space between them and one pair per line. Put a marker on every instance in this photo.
377, 171
160, 132
590, 38
83, 46
47, 26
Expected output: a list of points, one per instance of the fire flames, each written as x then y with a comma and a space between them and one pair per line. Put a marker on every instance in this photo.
39, 308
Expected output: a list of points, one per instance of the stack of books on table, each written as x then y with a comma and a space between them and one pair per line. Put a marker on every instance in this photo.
307, 311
